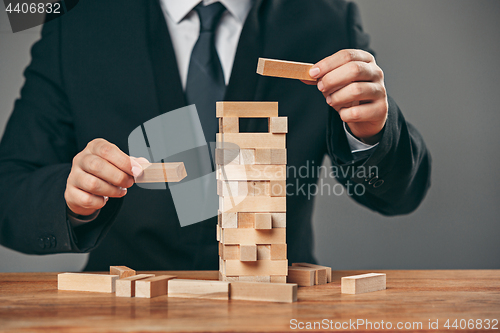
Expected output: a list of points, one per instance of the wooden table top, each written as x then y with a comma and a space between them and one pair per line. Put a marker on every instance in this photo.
30, 302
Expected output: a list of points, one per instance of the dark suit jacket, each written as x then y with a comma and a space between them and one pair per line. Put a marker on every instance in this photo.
106, 67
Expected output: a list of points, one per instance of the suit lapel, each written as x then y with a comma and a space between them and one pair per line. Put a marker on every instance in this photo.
166, 73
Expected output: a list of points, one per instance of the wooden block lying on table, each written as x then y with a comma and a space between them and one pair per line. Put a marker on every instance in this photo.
153, 286
278, 125
363, 283
162, 173
247, 109
229, 125
121, 271
125, 287
328, 269
253, 236
278, 156
248, 252
253, 204
251, 140
101, 283
256, 268
198, 289
303, 276
263, 221
267, 292
286, 69
252, 172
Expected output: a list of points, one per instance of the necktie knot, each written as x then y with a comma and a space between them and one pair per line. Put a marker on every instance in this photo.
209, 16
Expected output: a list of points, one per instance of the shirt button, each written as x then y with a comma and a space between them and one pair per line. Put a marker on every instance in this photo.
41, 243
53, 242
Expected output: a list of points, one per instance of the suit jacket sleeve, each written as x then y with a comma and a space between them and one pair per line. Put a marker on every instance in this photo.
36, 152
396, 177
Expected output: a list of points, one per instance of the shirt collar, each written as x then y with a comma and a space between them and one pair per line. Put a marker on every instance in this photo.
179, 9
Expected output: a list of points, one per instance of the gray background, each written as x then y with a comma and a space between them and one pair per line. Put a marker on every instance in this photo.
441, 64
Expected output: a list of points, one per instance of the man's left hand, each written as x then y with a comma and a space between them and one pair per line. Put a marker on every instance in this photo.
353, 84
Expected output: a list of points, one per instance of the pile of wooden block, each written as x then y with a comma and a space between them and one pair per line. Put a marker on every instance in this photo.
251, 183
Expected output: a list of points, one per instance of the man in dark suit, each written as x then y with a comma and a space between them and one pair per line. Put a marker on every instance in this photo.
105, 68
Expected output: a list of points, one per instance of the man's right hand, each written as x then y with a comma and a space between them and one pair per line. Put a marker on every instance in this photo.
100, 171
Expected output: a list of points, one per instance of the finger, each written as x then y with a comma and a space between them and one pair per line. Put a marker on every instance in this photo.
83, 203
354, 93
369, 112
106, 171
309, 83
93, 185
343, 75
338, 59
112, 154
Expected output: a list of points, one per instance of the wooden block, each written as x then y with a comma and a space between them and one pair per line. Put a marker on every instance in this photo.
363, 283
278, 251
262, 156
246, 188
278, 220
100, 283
247, 109
256, 268
328, 269
229, 220
278, 156
247, 156
263, 221
266, 292
253, 236
248, 252
230, 278
162, 173
230, 125
278, 125
230, 252
125, 287
218, 233
153, 286
121, 271
228, 189
278, 278
253, 172
286, 69
254, 204
198, 289
303, 276
255, 278
227, 156
277, 188
264, 252
262, 188
246, 220
320, 277
251, 140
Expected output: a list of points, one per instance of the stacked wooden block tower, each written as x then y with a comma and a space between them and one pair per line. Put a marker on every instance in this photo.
251, 184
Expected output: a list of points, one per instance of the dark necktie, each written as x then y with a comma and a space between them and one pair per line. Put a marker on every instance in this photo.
205, 81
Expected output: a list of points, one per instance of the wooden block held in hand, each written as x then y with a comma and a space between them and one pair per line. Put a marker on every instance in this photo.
286, 69
303, 276
248, 252
247, 109
267, 292
263, 221
153, 286
121, 271
278, 251
363, 283
101, 283
198, 289
125, 287
328, 269
278, 125
162, 173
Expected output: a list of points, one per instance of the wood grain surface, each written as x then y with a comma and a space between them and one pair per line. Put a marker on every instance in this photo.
30, 302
